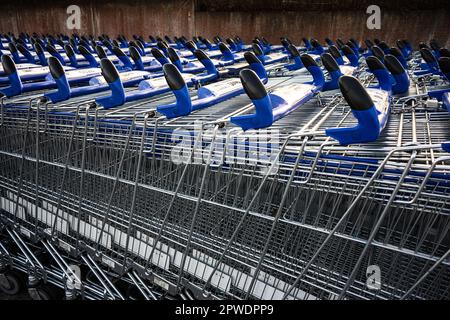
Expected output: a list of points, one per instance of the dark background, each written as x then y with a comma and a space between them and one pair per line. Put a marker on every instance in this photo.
412, 19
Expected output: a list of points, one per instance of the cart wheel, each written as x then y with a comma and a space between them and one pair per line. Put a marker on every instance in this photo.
11, 283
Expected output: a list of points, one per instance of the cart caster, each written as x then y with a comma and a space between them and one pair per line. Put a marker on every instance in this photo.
11, 283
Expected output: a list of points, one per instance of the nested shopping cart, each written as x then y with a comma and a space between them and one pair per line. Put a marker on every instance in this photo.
194, 207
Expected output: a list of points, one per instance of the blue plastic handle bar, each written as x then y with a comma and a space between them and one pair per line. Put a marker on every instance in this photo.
15, 88
384, 79
333, 83
182, 106
367, 130
401, 84
63, 90
117, 98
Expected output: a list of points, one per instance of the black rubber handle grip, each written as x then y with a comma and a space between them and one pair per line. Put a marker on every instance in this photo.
347, 50
334, 52
109, 71
230, 41
69, 50
9, 67
393, 65
200, 55
21, 49
257, 49
374, 63
315, 43
354, 93
83, 50
223, 47
12, 47
250, 57
118, 52
396, 52
444, 64
162, 45
293, 51
377, 52
252, 84
51, 49
400, 44
157, 53
173, 56
191, 45
173, 77
427, 55
56, 69
329, 63
134, 54
38, 48
368, 43
100, 52
308, 61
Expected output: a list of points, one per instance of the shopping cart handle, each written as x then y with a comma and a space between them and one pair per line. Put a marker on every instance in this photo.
398, 54
295, 55
429, 59
190, 45
334, 71
232, 44
159, 56
107, 44
100, 52
137, 59
59, 76
317, 47
314, 69
273, 106
379, 70
183, 104
24, 51
363, 109
122, 57
307, 44
40, 53
256, 65
334, 51
16, 86
71, 55
174, 58
207, 63
133, 44
51, 49
378, 52
162, 46
399, 74
14, 52
259, 52
88, 56
351, 56
227, 55
112, 77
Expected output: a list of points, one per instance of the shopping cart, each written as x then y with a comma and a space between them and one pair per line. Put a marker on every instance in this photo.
194, 207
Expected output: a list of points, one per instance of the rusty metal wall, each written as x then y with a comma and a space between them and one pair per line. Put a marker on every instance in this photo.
414, 25
412, 19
